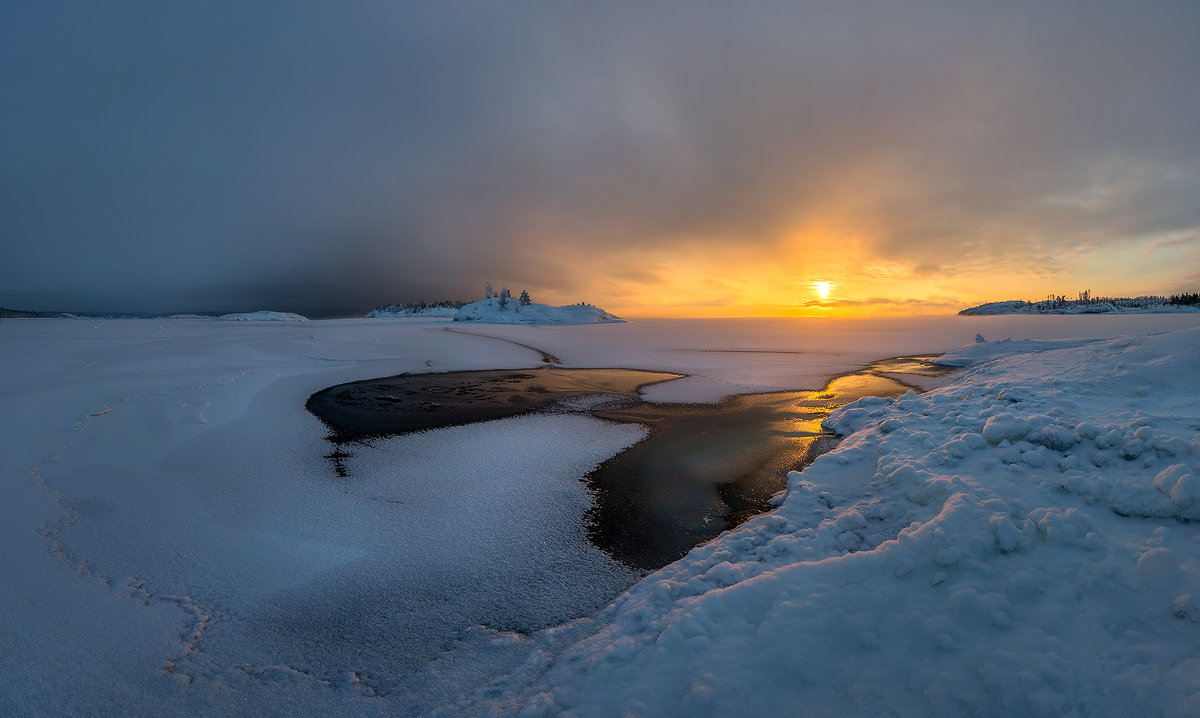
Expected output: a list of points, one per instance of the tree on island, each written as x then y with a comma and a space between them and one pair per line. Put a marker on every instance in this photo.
504, 295
524, 299
488, 292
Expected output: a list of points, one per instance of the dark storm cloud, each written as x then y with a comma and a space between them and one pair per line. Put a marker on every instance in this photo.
325, 157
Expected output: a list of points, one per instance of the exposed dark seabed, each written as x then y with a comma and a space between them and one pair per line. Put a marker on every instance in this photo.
704, 468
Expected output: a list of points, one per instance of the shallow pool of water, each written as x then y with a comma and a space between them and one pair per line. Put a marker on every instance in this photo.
703, 468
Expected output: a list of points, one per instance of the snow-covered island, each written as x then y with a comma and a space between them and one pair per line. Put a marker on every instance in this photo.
260, 316
498, 307
498, 310
1086, 304
256, 316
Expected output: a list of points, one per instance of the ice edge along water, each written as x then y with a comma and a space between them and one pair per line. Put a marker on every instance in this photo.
1019, 542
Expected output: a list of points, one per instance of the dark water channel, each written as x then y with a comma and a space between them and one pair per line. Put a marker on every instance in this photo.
704, 468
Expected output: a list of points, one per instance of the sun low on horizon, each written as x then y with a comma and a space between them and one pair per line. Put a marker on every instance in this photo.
723, 161
848, 280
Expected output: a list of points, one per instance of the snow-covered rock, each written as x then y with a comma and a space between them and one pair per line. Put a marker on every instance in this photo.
489, 311
262, 316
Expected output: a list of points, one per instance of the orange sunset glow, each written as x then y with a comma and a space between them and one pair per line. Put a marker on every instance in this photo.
852, 278
900, 169
615, 358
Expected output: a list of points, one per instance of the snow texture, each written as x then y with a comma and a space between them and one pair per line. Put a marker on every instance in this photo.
1019, 542
490, 311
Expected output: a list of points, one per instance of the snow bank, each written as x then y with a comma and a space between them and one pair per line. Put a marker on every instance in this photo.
1019, 542
489, 311
262, 316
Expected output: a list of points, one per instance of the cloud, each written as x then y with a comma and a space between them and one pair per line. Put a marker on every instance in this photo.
322, 157
937, 303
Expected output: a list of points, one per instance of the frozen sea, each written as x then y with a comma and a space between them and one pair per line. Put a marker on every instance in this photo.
1019, 542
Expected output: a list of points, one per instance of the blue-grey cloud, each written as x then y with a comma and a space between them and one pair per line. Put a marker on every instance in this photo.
326, 157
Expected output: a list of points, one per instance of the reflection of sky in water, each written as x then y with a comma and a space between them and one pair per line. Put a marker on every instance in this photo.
703, 468
706, 468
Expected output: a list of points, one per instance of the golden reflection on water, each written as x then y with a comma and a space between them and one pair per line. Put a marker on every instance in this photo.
702, 469
706, 468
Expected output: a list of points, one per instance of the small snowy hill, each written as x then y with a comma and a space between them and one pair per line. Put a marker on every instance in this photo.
489, 311
262, 316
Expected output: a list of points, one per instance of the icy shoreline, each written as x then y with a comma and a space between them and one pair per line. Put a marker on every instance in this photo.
1017, 542
175, 543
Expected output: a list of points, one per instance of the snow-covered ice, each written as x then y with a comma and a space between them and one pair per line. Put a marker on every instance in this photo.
1018, 542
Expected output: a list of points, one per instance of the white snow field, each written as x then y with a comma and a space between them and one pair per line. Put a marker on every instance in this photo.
174, 542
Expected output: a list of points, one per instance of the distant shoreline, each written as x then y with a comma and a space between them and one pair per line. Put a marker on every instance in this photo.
1182, 304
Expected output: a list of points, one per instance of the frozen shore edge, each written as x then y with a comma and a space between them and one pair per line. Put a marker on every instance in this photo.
1019, 541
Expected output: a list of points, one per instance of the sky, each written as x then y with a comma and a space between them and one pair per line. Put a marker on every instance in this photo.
654, 158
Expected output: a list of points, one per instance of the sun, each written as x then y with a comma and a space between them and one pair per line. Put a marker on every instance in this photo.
822, 289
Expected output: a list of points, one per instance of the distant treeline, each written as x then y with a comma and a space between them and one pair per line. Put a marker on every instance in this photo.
1085, 303
1085, 299
22, 314
420, 306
